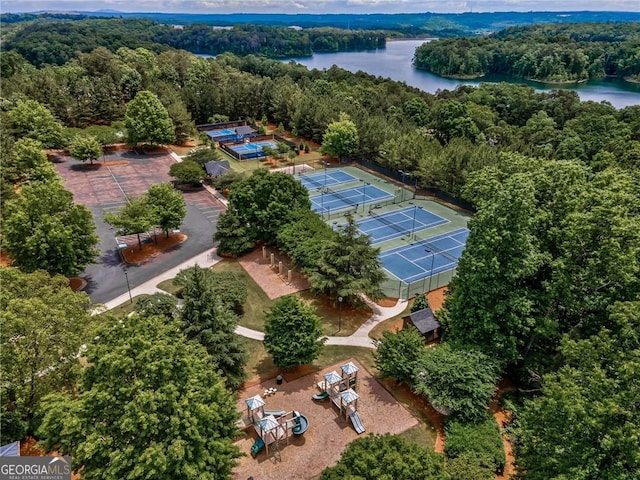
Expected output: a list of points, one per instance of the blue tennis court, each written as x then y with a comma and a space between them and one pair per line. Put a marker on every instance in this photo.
398, 223
334, 201
425, 258
249, 148
223, 134
320, 180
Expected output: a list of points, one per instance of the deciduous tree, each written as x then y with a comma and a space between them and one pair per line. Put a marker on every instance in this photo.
43, 326
397, 354
455, 380
44, 230
85, 147
151, 405
292, 333
386, 456
167, 205
188, 173
133, 219
33, 120
341, 138
147, 121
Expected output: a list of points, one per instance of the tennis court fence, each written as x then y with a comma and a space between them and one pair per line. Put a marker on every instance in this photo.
395, 288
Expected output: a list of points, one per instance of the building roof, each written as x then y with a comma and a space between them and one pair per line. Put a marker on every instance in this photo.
244, 130
255, 402
424, 320
215, 169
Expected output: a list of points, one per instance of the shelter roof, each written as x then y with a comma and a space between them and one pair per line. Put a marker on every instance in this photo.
424, 320
332, 377
349, 395
254, 403
215, 169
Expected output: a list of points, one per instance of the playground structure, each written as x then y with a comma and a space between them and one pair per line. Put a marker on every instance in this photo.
274, 427
341, 389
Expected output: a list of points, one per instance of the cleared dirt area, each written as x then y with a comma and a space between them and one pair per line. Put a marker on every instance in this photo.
328, 435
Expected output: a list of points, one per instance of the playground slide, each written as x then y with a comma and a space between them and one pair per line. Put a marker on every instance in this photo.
256, 447
275, 413
357, 423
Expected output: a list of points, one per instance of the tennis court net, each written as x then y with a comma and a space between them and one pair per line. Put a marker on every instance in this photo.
439, 251
341, 196
315, 182
384, 219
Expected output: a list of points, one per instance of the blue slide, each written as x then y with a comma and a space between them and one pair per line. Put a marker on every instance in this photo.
357, 423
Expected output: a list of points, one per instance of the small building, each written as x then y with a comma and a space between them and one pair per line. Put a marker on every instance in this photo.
244, 131
215, 169
425, 322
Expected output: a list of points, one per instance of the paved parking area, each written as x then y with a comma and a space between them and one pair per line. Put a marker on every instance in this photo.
105, 187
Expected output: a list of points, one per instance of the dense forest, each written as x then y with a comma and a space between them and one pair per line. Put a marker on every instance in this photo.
547, 289
547, 53
56, 42
408, 24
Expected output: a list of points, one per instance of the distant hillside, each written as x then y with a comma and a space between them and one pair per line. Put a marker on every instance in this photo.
410, 24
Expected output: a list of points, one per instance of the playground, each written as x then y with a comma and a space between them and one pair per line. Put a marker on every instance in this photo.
327, 433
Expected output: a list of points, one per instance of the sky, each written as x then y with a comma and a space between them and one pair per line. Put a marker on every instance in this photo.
319, 6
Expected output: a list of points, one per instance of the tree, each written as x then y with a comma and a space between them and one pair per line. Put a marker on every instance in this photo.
348, 266
133, 219
226, 286
386, 457
147, 389
340, 138
397, 354
585, 423
228, 180
456, 381
27, 162
265, 202
167, 205
203, 155
43, 327
147, 121
55, 234
421, 302
33, 120
157, 305
478, 442
292, 333
188, 172
208, 320
233, 236
85, 147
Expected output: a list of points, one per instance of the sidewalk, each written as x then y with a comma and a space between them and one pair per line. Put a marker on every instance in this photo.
205, 259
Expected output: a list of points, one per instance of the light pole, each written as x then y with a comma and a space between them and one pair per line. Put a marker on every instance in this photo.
364, 195
413, 225
404, 174
340, 314
324, 164
430, 271
124, 269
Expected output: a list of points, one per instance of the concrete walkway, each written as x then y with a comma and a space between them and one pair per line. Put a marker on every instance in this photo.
360, 338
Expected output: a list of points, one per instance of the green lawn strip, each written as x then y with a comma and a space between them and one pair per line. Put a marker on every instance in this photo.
238, 166
169, 287
126, 307
257, 301
423, 434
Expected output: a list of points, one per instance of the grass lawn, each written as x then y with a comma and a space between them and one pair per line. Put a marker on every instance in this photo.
169, 287
238, 166
126, 307
388, 324
331, 316
260, 363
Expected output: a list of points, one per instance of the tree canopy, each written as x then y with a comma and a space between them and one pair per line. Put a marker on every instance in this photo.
43, 327
147, 121
377, 457
292, 333
85, 148
341, 138
147, 389
44, 229
585, 423
167, 205
348, 266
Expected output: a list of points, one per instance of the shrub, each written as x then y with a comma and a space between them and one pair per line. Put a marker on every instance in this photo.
480, 438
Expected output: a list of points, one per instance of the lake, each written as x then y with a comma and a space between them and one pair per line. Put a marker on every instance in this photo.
394, 62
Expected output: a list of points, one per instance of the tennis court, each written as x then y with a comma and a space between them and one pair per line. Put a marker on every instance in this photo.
398, 223
223, 134
425, 258
330, 201
252, 150
319, 180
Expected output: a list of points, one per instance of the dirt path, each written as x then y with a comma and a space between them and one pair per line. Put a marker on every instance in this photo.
503, 417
